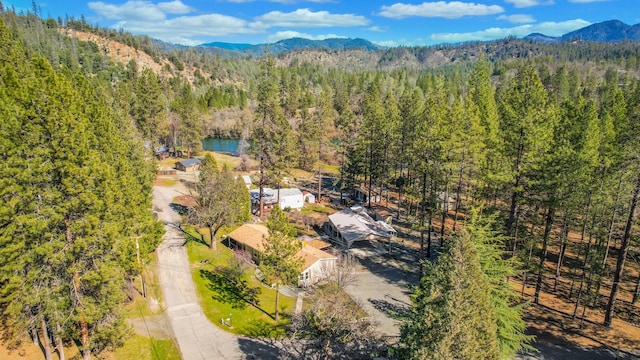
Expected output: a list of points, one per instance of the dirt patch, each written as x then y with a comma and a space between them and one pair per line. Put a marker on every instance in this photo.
155, 326
185, 200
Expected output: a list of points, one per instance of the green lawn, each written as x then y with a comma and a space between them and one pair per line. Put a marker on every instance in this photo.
317, 208
142, 348
223, 298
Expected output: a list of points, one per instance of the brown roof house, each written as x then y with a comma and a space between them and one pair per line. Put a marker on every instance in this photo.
316, 263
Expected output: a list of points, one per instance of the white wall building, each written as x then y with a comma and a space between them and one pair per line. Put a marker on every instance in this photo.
290, 198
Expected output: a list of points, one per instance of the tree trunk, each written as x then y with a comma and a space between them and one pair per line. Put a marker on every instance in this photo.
45, 340
607, 245
582, 277
59, 344
319, 181
459, 191
277, 317
622, 255
582, 236
445, 209
636, 293
84, 340
420, 264
563, 247
516, 191
543, 254
34, 335
212, 235
261, 192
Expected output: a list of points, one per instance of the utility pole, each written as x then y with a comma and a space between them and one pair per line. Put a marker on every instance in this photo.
143, 287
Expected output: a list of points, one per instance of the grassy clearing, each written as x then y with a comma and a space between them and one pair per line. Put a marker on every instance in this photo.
223, 298
223, 159
317, 209
142, 348
165, 182
331, 169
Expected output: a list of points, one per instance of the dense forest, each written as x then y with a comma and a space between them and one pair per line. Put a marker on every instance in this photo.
542, 138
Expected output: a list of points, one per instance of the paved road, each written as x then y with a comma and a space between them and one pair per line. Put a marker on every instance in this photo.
197, 337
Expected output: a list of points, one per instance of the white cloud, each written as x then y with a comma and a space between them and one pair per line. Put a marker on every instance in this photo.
518, 18
376, 29
546, 28
289, 2
309, 19
131, 10
144, 17
388, 43
175, 7
529, 3
281, 35
448, 10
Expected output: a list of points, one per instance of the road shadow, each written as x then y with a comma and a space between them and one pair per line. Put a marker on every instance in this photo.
258, 348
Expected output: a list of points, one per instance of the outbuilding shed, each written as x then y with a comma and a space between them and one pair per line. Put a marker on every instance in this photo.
188, 164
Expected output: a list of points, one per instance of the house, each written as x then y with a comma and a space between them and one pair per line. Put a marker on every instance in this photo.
382, 213
247, 181
362, 195
162, 153
447, 201
188, 164
308, 197
290, 198
353, 224
315, 262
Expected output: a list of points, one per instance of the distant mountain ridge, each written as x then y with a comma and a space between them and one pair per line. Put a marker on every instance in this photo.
606, 31
297, 44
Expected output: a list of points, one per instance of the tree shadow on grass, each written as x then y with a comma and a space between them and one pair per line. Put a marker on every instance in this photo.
230, 289
188, 236
264, 330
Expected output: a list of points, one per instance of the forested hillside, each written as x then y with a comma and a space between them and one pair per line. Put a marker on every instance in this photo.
545, 138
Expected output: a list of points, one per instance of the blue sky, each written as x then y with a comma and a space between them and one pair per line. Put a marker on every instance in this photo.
386, 22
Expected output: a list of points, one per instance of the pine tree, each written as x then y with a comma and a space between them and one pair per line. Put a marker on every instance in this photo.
452, 315
190, 124
148, 108
272, 135
278, 261
66, 204
497, 268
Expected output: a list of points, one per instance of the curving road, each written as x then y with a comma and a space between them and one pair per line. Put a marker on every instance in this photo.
196, 336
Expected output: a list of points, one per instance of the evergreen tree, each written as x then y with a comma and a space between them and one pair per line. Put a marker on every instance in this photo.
272, 135
63, 220
190, 124
452, 315
497, 268
148, 108
278, 261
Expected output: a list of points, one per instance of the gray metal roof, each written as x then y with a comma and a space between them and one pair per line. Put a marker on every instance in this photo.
190, 162
355, 224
